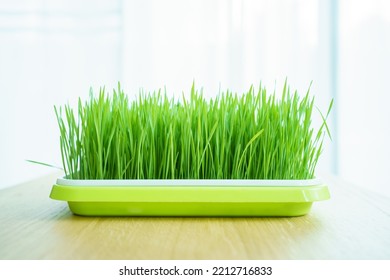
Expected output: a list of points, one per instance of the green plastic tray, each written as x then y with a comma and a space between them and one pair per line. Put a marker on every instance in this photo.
189, 197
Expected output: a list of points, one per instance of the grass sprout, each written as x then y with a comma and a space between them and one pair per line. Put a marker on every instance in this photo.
248, 136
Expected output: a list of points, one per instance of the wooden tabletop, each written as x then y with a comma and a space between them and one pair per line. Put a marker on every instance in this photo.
353, 224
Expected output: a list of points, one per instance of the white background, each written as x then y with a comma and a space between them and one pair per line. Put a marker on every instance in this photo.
51, 52
284, 269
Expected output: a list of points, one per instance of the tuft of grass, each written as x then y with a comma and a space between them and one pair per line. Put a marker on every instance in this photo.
251, 136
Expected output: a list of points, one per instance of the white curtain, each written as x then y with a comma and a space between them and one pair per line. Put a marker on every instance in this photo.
364, 94
51, 52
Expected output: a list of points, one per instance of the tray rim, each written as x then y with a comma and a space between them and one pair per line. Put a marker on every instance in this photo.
231, 194
63, 181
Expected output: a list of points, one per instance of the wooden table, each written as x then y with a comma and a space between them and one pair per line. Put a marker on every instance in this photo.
354, 224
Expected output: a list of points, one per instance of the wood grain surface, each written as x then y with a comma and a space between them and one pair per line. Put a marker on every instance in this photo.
353, 224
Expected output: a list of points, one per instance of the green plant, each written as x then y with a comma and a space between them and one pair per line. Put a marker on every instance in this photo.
252, 136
